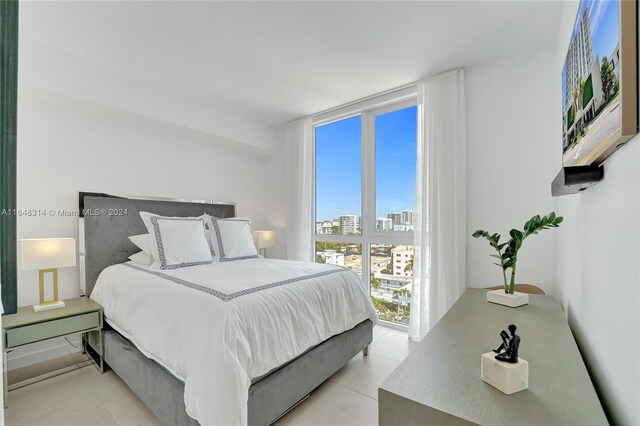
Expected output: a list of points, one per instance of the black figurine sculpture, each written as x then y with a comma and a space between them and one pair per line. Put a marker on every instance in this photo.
509, 345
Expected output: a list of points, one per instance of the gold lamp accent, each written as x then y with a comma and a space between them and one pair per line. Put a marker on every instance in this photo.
264, 240
47, 255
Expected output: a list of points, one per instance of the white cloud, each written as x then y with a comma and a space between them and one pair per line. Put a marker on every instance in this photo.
596, 10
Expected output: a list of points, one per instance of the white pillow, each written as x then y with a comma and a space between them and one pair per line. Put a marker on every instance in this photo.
142, 258
231, 239
143, 241
236, 218
177, 242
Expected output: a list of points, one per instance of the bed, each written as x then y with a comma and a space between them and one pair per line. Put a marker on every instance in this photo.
264, 377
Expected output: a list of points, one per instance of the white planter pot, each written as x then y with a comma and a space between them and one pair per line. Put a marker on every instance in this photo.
512, 300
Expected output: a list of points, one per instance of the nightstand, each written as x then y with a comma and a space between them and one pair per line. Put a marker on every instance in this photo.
80, 315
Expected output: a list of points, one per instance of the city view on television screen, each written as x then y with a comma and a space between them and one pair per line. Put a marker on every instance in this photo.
591, 99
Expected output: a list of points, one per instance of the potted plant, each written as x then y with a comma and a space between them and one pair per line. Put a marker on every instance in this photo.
507, 255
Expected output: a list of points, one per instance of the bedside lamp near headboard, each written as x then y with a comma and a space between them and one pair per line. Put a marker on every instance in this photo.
264, 240
47, 255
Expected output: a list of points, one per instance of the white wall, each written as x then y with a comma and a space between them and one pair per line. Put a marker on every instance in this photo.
598, 269
511, 145
276, 197
66, 146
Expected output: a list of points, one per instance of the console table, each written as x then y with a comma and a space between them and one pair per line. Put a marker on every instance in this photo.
439, 382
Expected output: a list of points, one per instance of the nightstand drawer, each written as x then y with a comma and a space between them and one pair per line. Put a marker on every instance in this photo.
46, 330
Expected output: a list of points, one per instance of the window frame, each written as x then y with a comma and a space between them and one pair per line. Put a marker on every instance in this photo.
371, 182
368, 110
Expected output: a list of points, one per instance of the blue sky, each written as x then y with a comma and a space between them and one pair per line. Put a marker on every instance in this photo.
396, 161
339, 165
603, 18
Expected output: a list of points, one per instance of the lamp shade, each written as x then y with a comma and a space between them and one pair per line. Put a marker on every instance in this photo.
264, 239
46, 253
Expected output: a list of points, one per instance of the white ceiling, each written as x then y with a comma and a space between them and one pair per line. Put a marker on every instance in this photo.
275, 61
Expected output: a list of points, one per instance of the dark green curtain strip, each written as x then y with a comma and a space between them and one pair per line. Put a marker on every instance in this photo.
8, 124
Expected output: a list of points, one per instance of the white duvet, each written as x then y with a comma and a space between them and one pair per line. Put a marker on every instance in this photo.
218, 326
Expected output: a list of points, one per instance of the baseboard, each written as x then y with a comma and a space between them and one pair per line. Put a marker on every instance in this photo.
43, 351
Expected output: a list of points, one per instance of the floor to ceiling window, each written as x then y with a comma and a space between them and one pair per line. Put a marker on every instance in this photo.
364, 204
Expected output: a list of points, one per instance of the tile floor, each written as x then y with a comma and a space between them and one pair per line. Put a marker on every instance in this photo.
85, 397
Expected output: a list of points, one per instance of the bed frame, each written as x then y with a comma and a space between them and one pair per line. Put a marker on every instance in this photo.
108, 222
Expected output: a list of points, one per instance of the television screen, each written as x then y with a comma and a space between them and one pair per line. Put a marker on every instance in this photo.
598, 90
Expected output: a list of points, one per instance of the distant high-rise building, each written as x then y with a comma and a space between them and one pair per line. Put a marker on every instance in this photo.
400, 257
324, 227
408, 217
396, 218
384, 224
332, 257
349, 224
579, 58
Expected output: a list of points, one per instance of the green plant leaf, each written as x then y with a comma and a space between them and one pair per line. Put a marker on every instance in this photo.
536, 220
516, 234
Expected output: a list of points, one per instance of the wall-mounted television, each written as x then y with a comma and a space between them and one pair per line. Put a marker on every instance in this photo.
599, 82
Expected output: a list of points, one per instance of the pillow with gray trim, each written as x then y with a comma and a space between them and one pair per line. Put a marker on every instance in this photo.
177, 242
143, 242
231, 239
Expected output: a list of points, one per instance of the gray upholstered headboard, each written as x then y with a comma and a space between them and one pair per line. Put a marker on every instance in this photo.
109, 221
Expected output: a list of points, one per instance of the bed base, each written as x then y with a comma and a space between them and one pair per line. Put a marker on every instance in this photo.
270, 396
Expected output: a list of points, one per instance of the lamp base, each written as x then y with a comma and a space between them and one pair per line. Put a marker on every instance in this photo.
48, 306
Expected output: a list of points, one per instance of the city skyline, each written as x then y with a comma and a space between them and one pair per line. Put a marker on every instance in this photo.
406, 218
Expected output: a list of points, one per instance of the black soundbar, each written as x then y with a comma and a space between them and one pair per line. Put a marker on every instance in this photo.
572, 180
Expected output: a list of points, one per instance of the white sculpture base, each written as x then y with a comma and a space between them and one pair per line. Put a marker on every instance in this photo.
512, 300
47, 306
504, 376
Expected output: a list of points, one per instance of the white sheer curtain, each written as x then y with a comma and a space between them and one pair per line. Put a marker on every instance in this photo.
440, 222
300, 160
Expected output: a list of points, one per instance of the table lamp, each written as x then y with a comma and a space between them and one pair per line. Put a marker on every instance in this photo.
47, 255
264, 240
